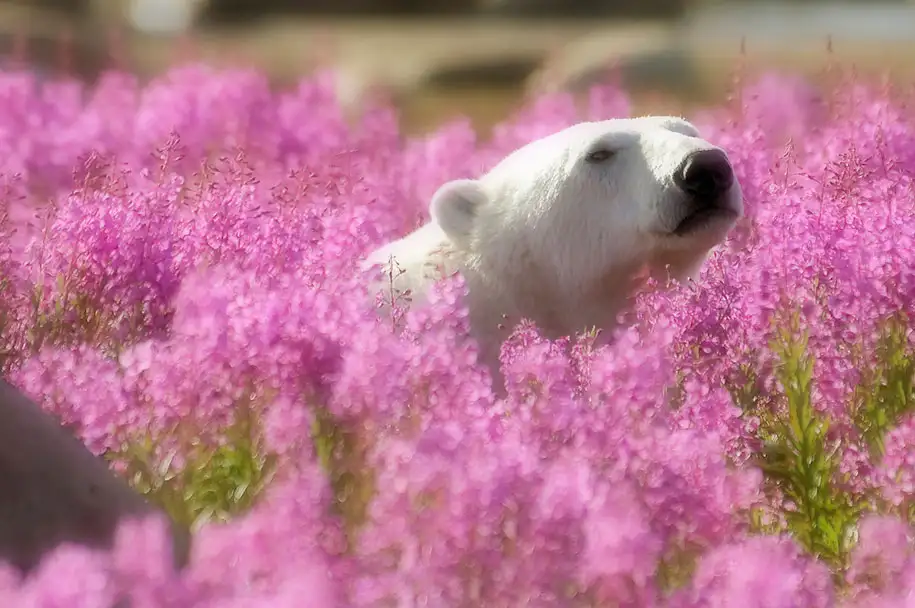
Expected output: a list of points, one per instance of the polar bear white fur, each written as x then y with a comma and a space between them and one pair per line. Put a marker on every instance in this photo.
557, 230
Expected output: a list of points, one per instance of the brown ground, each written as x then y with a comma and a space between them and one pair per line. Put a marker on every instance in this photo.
401, 54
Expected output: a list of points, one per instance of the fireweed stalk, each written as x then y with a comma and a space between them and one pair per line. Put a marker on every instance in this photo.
177, 265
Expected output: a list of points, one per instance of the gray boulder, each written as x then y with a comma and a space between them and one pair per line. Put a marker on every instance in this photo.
54, 490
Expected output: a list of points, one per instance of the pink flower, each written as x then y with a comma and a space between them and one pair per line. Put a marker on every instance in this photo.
179, 259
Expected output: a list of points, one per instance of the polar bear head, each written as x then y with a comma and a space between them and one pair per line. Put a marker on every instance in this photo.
558, 227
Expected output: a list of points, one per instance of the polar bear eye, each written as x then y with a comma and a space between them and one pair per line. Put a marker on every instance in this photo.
599, 156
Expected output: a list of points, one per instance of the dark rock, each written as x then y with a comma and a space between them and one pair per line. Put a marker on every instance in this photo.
51, 56
54, 490
656, 64
584, 8
498, 72
237, 11
666, 70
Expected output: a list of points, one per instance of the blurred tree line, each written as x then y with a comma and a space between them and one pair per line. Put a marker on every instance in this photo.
235, 11
231, 12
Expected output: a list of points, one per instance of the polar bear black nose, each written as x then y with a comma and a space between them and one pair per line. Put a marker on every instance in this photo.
705, 174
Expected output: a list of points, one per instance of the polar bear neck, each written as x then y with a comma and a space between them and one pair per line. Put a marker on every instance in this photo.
561, 310
558, 309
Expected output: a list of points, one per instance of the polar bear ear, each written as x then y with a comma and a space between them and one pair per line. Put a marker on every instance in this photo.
455, 207
681, 125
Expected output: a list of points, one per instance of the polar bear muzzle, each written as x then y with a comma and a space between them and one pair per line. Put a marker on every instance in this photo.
706, 179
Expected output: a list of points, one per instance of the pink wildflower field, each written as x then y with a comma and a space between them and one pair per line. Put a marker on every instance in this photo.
179, 286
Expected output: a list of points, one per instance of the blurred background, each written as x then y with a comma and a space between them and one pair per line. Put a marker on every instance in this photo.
440, 58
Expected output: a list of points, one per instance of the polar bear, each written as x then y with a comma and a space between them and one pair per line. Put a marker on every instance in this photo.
557, 231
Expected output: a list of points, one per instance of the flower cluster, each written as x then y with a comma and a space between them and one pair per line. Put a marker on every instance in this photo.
179, 285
